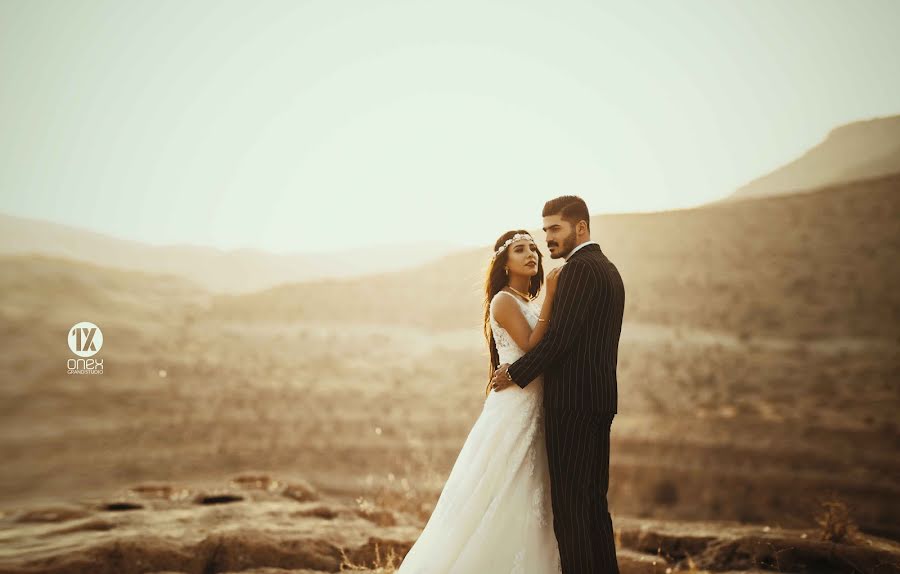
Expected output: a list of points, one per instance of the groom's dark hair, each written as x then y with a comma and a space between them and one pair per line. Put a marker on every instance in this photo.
571, 207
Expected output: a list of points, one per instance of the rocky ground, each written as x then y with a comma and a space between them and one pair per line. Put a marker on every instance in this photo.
262, 525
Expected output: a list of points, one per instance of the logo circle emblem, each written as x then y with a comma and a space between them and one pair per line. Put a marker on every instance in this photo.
85, 339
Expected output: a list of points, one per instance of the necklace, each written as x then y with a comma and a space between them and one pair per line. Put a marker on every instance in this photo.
526, 296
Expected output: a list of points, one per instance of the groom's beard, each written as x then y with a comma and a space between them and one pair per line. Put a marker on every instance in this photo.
567, 246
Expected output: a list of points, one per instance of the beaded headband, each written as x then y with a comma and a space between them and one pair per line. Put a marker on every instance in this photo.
511, 240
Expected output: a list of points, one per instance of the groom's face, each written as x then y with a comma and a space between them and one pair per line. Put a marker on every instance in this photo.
560, 235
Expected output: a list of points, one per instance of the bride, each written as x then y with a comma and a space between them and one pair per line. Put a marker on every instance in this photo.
494, 514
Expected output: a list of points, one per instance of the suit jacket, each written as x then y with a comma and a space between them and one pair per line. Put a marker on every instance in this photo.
579, 353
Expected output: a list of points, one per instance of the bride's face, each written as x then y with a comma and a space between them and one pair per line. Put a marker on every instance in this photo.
523, 258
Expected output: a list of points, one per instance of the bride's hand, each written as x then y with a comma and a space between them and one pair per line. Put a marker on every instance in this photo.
501, 378
551, 280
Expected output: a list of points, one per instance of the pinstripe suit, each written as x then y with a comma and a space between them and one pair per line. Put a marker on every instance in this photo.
578, 357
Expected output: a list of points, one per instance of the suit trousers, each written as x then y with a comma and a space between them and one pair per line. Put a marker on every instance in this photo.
578, 456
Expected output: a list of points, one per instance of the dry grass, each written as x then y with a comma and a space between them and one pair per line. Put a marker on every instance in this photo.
381, 563
412, 492
836, 523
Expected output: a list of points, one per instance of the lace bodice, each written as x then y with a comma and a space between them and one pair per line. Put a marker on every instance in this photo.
506, 347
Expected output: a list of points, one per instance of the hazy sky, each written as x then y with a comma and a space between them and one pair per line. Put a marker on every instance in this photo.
314, 126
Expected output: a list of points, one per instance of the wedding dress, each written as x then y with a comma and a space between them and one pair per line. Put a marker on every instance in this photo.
494, 514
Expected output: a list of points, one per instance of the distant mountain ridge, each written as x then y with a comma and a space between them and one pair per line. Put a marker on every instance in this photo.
865, 151
814, 265
852, 152
217, 270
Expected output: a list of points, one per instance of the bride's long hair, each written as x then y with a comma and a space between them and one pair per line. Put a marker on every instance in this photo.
495, 280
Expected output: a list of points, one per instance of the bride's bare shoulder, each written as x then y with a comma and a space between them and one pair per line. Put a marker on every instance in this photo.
504, 306
503, 298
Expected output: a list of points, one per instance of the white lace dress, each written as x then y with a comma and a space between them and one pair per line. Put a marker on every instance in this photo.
494, 514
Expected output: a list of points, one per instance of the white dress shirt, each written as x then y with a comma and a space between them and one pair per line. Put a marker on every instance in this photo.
571, 253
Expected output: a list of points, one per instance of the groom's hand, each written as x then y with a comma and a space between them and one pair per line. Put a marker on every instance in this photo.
501, 378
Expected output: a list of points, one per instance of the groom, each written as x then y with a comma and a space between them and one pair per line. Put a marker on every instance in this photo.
578, 358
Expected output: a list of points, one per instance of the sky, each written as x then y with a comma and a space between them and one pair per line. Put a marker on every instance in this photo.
318, 126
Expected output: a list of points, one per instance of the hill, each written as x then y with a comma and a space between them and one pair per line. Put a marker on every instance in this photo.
856, 151
218, 270
816, 265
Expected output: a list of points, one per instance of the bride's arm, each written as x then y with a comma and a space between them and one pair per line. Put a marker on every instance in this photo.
543, 323
510, 317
